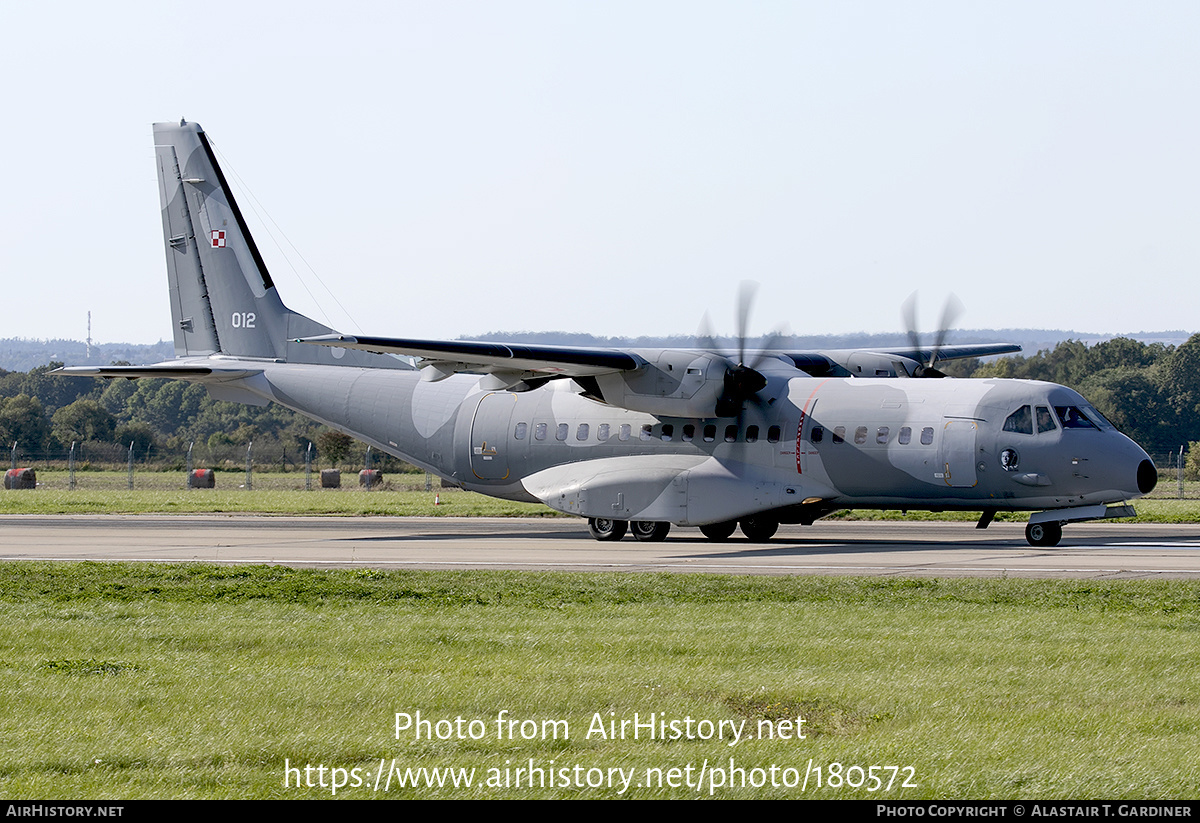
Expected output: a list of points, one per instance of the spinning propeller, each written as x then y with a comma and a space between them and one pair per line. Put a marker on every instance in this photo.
950, 312
743, 381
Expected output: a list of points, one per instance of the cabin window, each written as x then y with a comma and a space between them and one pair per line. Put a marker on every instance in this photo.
522, 431
1020, 421
860, 435
646, 432
581, 433
905, 435
1045, 420
818, 434
710, 433
561, 433
839, 435
668, 431
773, 434
881, 436
602, 432
625, 431
539, 431
689, 432
730, 434
927, 436
752, 434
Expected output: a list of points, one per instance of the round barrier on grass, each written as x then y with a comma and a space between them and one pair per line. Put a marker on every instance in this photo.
331, 479
20, 479
371, 478
202, 479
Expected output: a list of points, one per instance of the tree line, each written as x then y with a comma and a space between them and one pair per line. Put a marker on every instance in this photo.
1150, 391
44, 414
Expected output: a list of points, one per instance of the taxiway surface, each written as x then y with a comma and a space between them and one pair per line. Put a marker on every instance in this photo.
1106, 550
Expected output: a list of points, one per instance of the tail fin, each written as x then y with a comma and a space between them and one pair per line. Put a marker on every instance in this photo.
222, 297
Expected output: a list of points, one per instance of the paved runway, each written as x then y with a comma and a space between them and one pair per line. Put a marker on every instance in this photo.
1104, 550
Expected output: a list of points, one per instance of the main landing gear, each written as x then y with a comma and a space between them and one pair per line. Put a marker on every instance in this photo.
756, 529
604, 528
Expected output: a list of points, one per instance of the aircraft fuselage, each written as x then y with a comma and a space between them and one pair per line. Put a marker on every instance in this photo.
834, 442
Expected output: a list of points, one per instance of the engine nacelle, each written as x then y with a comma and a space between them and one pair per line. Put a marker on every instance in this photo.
875, 364
675, 383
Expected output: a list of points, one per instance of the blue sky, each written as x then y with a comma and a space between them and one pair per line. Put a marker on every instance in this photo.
450, 168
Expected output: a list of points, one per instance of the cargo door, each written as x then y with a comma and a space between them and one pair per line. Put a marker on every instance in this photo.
490, 435
958, 452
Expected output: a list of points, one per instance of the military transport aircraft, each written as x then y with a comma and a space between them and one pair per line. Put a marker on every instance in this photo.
639, 439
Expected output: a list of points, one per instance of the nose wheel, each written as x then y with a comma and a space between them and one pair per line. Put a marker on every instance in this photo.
1043, 534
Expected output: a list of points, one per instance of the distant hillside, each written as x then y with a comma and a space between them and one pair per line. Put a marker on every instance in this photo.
18, 354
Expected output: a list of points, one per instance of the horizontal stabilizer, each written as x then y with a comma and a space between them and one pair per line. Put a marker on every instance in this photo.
175, 371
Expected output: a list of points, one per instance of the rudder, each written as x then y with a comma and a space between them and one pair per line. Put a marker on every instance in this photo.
222, 296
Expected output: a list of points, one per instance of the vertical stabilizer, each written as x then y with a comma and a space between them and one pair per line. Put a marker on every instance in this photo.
222, 297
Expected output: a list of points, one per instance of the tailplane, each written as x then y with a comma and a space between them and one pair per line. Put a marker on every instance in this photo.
222, 298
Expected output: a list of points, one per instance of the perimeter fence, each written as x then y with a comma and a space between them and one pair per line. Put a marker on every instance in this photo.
98, 467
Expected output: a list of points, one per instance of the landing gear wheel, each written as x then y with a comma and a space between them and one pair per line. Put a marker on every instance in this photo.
719, 532
759, 529
605, 528
1043, 534
649, 531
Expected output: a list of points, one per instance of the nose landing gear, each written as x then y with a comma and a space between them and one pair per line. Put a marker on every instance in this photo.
1043, 534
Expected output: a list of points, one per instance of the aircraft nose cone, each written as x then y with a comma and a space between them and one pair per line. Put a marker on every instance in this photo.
1147, 477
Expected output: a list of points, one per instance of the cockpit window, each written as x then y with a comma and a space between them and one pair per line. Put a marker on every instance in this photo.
1045, 420
1020, 421
1096, 417
1072, 417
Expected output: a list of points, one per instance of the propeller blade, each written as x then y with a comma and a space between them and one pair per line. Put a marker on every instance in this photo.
704, 337
908, 311
742, 381
950, 314
746, 292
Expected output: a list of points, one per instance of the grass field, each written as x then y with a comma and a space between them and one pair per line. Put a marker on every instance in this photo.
126, 681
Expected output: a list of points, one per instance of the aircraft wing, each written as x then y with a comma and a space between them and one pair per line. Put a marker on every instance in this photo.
956, 352
461, 355
510, 364
581, 361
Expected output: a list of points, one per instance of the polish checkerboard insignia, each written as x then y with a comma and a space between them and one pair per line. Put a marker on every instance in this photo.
218, 239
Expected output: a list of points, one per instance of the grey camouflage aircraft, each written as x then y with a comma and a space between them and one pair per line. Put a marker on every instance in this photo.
635, 439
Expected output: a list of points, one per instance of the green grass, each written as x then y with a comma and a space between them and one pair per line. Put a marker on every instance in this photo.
125, 681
